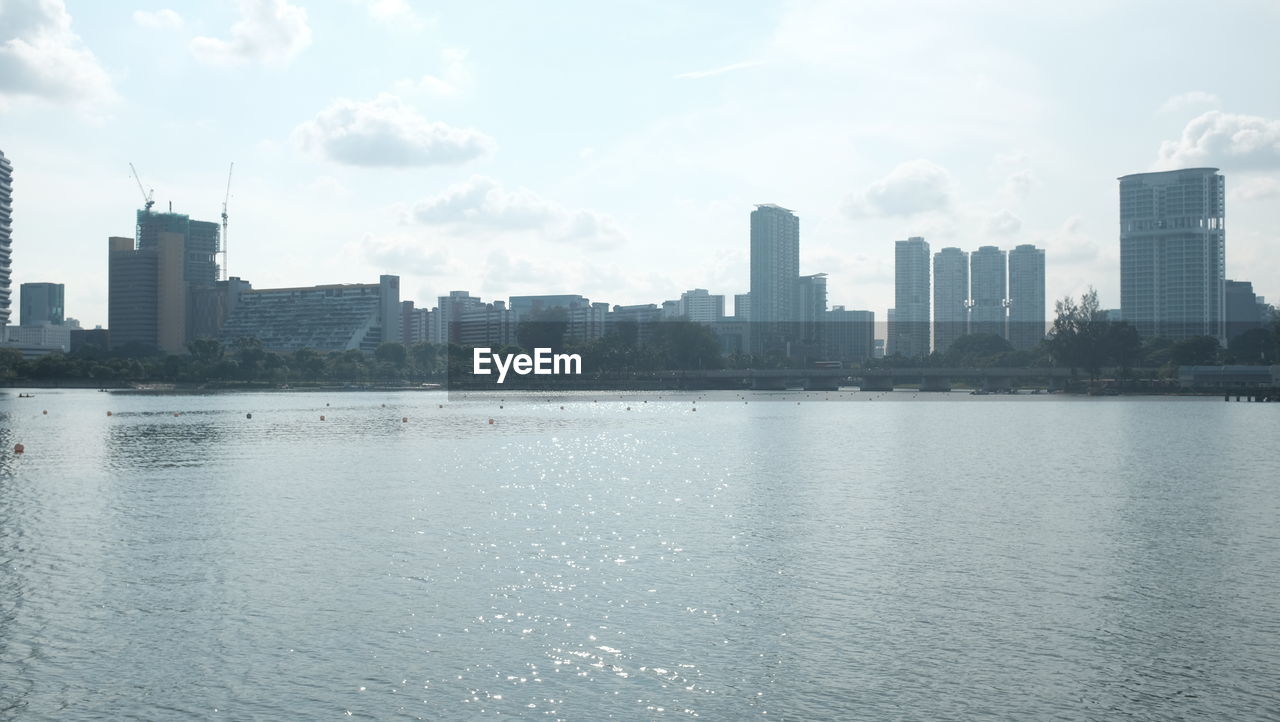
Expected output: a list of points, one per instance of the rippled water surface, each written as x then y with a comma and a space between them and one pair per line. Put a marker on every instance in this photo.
593, 556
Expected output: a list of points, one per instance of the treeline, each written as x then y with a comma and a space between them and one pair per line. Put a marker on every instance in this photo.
1082, 338
670, 345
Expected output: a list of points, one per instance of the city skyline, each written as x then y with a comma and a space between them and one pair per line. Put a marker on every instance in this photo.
625, 179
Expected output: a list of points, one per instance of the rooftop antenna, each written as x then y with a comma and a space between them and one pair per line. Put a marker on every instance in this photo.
146, 195
224, 222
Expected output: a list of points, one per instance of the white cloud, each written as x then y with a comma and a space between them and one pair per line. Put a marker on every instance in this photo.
1003, 223
1221, 139
917, 186
481, 203
1256, 189
1184, 100
1070, 245
454, 76
408, 254
164, 19
1019, 185
41, 57
696, 74
387, 132
393, 12
270, 32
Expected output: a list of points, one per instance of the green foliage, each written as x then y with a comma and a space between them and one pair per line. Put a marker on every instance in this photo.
1196, 351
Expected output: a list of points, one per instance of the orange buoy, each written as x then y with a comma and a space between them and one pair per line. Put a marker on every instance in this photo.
491, 421
19, 448
322, 417
404, 419
108, 413
176, 413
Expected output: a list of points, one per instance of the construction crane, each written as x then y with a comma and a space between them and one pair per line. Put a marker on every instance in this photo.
224, 222
146, 195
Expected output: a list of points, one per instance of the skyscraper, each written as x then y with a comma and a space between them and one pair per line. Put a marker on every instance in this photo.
1173, 252
950, 297
988, 286
6, 236
811, 311
701, 306
41, 304
1026, 296
910, 317
775, 270
156, 278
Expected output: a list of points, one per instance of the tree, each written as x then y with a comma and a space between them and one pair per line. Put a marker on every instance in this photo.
1079, 331
1195, 351
1123, 345
392, 353
206, 350
1255, 346
977, 349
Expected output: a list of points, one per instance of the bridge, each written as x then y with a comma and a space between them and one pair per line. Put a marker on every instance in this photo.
876, 379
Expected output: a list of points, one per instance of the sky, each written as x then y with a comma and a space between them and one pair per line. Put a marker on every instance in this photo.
617, 149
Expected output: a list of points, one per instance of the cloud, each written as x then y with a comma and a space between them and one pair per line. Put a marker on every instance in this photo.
454, 77
164, 19
393, 12
270, 32
1019, 185
42, 58
386, 132
1070, 245
408, 254
482, 203
696, 74
1256, 189
1003, 223
917, 186
1221, 139
1184, 100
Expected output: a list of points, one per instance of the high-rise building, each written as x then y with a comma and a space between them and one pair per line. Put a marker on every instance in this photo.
1244, 312
6, 237
742, 306
200, 242
849, 335
701, 306
950, 297
1173, 252
909, 328
1026, 296
811, 311
988, 286
335, 317
775, 270
41, 304
162, 283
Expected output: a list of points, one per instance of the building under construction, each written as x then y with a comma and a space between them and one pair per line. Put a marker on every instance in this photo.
159, 282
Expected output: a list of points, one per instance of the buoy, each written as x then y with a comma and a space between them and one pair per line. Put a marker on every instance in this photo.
108, 413
694, 408
175, 413
491, 421
404, 419
19, 448
45, 412
248, 416
384, 406
322, 417
628, 408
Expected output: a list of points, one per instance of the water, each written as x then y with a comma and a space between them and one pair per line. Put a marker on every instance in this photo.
871, 557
